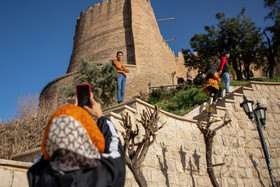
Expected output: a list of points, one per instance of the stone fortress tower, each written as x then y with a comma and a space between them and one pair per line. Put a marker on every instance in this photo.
119, 25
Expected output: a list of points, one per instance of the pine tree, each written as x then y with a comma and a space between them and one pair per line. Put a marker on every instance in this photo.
102, 79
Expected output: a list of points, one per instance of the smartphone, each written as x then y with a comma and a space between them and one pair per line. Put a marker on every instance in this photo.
83, 93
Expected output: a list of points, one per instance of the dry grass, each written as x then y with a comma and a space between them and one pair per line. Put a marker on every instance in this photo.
27, 106
25, 131
20, 135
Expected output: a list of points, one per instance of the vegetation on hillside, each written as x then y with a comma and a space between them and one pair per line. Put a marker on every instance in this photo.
177, 101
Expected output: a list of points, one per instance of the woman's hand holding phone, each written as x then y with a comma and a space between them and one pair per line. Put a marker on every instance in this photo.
95, 110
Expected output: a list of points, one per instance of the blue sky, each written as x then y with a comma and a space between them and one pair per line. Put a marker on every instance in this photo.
36, 37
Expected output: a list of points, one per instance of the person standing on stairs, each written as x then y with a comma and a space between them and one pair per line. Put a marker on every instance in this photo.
121, 80
212, 81
224, 70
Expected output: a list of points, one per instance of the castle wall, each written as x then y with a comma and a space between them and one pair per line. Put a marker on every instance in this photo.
154, 57
155, 61
101, 32
52, 97
119, 25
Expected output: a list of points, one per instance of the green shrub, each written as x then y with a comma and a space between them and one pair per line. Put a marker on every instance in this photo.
101, 78
232, 71
178, 102
181, 101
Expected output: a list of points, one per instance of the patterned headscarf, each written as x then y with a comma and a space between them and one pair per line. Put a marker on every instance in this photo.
72, 140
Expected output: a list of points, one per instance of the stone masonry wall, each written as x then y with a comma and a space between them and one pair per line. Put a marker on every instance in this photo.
177, 157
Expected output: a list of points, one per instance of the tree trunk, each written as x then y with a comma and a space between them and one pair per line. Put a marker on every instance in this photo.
272, 66
247, 70
210, 170
271, 58
138, 175
236, 68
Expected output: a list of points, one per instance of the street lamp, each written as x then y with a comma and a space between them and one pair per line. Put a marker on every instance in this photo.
258, 116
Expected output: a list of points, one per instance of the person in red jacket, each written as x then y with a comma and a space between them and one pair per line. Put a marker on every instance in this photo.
224, 70
76, 151
121, 80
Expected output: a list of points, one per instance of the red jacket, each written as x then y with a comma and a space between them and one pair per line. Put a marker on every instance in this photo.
223, 65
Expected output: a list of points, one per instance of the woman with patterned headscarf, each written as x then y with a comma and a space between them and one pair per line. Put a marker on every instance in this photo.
79, 152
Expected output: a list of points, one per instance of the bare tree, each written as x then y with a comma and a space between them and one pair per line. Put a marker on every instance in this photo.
27, 106
135, 152
208, 135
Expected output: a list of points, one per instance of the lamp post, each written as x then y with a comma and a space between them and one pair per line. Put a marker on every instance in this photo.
258, 116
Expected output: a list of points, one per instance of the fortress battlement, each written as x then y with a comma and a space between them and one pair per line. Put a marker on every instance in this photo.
105, 5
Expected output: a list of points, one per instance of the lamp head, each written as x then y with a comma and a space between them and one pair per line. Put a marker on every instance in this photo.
247, 106
261, 113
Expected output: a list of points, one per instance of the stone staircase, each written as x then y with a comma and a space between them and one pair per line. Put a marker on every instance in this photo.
221, 105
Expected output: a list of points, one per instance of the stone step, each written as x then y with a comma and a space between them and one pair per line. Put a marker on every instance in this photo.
202, 116
109, 114
242, 88
28, 156
224, 100
120, 107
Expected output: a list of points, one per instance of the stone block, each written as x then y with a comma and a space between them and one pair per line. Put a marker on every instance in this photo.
224, 182
201, 149
171, 165
241, 162
239, 182
258, 87
240, 134
226, 142
271, 88
218, 159
249, 172
232, 182
243, 124
241, 152
180, 166
241, 173
6, 178
217, 149
20, 179
218, 140
264, 88
200, 181
241, 141
156, 176
185, 135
